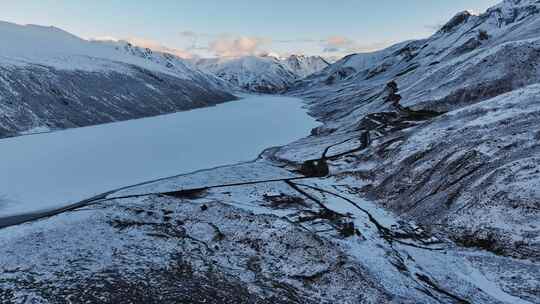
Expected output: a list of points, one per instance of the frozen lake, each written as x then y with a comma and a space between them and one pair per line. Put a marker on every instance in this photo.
45, 171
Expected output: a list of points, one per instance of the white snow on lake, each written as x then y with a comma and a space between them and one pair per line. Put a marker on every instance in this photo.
44, 171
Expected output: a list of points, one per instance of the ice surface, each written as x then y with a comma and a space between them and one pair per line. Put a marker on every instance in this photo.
54, 169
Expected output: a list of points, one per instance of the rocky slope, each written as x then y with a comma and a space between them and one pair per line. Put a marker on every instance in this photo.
455, 142
470, 59
262, 74
50, 79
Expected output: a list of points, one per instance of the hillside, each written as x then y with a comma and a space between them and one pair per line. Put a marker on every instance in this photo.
453, 126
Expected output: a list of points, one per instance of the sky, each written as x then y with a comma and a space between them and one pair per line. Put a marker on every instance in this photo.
209, 28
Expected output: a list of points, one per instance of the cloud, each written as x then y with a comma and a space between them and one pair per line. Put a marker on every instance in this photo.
223, 44
188, 34
240, 46
337, 44
331, 50
299, 40
341, 44
195, 44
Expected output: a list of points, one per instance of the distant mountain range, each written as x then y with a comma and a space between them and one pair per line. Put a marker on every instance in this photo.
264, 74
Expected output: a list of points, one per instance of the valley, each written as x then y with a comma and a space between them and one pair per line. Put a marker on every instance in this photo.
409, 174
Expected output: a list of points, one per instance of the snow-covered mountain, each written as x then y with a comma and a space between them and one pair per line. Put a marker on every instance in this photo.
51, 79
265, 74
253, 73
304, 66
449, 68
459, 151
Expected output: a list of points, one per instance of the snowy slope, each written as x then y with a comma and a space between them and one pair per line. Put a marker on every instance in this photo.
266, 74
52, 79
477, 165
471, 58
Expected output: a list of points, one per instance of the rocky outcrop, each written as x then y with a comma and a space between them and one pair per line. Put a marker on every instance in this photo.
165, 250
456, 21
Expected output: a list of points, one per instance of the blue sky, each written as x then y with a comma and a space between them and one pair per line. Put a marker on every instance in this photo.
237, 27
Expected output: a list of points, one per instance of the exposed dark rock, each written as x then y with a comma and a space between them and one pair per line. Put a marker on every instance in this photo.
315, 168
284, 201
483, 35
457, 20
348, 229
189, 194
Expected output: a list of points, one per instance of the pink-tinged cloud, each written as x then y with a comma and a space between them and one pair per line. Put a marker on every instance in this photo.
341, 44
339, 41
235, 47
